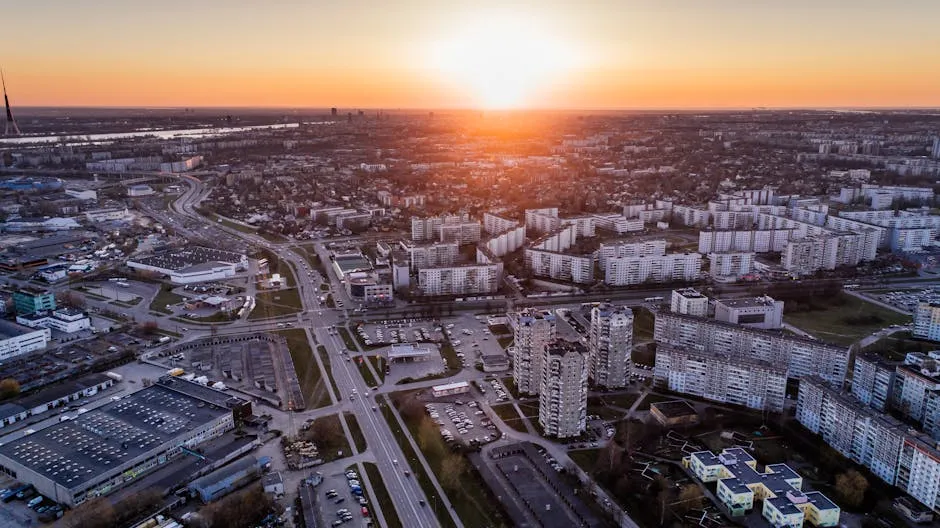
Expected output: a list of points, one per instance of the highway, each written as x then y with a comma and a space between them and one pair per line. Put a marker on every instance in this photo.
404, 491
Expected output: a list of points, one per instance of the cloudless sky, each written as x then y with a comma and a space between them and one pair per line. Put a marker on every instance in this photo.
361, 53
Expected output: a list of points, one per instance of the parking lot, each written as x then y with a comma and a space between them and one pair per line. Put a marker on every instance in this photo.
341, 500
907, 300
26, 509
462, 421
399, 331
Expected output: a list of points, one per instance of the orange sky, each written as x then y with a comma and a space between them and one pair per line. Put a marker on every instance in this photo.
363, 53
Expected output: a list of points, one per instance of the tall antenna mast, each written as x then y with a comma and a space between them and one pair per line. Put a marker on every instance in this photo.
10, 128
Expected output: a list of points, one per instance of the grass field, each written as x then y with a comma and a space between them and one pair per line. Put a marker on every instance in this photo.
327, 433
164, 298
651, 399
378, 363
276, 304
347, 338
363, 367
308, 372
382, 496
845, 319
325, 359
234, 225
508, 414
358, 438
896, 346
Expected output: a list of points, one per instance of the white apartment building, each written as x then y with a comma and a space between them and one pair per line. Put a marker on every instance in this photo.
798, 355
574, 268
691, 216
16, 340
722, 378
470, 279
493, 224
543, 220
624, 271
564, 388
558, 240
927, 321
506, 241
909, 240
459, 232
610, 343
533, 330
429, 228
860, 433
644, 248
912, 388
873, 381
584, 225
756, 312
689, 301
731, 264
733, 220
749, 240
919, 470
617, 223
436, 255
809, 255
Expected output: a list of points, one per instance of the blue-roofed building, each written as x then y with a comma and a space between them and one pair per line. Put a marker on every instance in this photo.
739, 484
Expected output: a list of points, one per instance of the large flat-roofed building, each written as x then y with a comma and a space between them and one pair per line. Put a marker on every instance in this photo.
66, 320
28, 300
688, 301
16, 340
193, 264
740, 485
755, 312
114, 445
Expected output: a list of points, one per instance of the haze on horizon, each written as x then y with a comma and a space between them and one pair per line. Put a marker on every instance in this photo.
594, 54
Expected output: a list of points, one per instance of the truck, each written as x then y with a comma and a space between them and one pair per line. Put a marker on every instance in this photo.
164, 340
176, 372
114, 375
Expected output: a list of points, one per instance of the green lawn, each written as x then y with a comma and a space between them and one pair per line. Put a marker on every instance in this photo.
347, 339
382, 496
417, 469
234, 225
276, 304
308, 372
845, 319
325, 359
511, 386
585, 458
363, 367
358, 438
327, 433
896, 346
508, 414
163, 298
378, 363
623, 401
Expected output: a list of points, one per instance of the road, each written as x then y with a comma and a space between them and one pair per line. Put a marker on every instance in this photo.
404, 491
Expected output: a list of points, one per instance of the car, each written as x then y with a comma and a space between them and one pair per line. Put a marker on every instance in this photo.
338, 522
407, 473
340, 500
421, 502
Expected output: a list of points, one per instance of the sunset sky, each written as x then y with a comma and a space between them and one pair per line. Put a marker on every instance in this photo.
448, 53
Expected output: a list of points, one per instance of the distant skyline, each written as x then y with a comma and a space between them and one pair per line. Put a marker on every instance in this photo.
593, 54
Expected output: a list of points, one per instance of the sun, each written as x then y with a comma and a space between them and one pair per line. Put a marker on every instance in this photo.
502, 61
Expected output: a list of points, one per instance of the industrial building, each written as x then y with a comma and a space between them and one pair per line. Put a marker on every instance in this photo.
110, 447
28, 300
756, 312
16, 340
740, 485
52, 397
193, 264
65, 320
226, 479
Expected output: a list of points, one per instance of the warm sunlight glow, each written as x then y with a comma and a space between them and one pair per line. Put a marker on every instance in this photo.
503, 61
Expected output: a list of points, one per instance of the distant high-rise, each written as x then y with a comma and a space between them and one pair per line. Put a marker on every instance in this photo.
333, 111
610, 343
532, 331
10, 128
934, 152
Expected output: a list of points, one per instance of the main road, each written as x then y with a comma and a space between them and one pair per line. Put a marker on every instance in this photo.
405, 491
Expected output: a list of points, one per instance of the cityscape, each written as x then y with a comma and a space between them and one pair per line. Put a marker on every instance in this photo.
493, 295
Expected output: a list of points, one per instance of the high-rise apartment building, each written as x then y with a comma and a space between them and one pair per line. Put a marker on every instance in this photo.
927, 321
625, 271
912, 388
563, 389
468, 279
732, 264
720, 377
688, 301
800, 356
434, 255
533, 330
610, 342
873, 380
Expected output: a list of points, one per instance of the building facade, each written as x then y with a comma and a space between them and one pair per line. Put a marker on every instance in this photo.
688, 301
757, 312
610, 343
533, 330
563, 389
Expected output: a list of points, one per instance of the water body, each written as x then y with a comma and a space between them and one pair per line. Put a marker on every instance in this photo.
159, 134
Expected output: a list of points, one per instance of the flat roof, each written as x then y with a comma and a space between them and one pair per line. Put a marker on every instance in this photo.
451, 386
406, 350
189, 257
674, 408
75, 452
750, 302
9, 329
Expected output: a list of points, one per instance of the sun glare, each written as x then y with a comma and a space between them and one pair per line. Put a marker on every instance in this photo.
502, 61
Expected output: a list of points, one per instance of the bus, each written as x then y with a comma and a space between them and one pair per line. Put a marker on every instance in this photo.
653, 299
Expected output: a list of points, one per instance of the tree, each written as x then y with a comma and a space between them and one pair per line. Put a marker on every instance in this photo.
149, 328
851, 487
96, 513
73, 299
9, 388
690, 498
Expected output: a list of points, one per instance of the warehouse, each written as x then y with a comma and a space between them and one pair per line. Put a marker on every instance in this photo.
226, 479
193, 264
112, 446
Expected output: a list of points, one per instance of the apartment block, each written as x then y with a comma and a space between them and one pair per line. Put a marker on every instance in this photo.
873, 380
433, 255
493, 224
691, 216
927, 321
469, 279
506, 241
732, 264
610, 343
747, 240
563, 390
756, 312
911, 389
800, 356
428, 228
617, 223
688, 301
645, 248
533, 330
543, 220
624, 271
721, 377
573, 268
